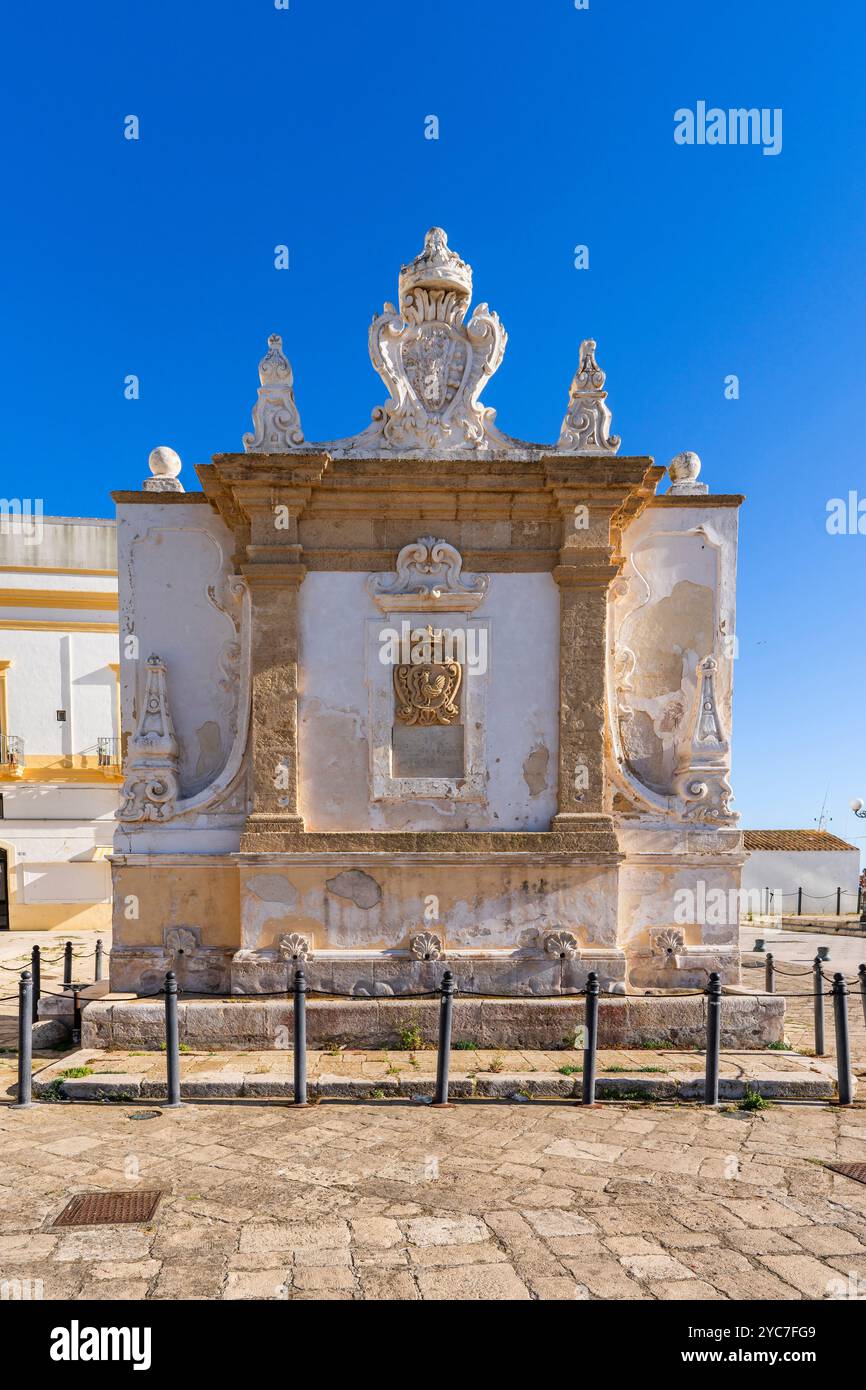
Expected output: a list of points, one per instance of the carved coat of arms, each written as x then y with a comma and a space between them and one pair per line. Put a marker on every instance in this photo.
435, 365
427, 692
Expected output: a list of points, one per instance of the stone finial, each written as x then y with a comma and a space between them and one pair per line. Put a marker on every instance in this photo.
276, 422
437, 267
701, 783
434, 364
683, 472
165, 466
150, 788
586, 427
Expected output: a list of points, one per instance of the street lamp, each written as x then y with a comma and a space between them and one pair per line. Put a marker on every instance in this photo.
860, 811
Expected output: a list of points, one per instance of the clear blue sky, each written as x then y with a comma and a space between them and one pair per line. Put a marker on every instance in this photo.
262, 126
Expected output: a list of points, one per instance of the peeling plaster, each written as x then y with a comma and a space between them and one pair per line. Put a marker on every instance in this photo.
360, 888
210, 749
535, 769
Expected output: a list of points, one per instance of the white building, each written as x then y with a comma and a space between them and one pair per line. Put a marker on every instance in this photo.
806, 872
59, 720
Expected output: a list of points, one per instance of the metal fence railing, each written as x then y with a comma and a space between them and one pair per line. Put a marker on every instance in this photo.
299, 992
839, 901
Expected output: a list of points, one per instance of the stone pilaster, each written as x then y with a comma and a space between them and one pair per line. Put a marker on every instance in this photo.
582, 651
589, 562
274, 699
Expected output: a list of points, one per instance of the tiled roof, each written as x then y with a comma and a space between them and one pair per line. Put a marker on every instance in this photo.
793, 839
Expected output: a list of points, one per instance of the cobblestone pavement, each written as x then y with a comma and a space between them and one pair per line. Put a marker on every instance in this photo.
397, 1201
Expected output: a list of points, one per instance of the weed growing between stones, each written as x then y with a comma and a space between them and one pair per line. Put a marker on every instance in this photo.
410, 1035
753, 1100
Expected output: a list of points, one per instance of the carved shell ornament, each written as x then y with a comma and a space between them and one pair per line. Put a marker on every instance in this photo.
294, 946
182, 941
426, 945
669, 943
562, 944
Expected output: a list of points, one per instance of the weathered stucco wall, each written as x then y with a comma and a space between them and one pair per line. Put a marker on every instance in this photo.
520, 734
173, 565
675, 606
818, 872
379, 905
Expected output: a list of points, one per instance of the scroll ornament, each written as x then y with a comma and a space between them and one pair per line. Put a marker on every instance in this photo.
150, 788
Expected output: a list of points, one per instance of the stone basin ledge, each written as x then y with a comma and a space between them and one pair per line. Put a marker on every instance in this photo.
234, 1024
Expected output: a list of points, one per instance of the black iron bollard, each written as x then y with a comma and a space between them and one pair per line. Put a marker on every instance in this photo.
97, 969
591, 1042
36, 972
769, 974
25, 1041
843, 1045
443, 1055
714, 1039
818, 1001
67, 965
300, 1021
172, 1043
862, 974
76, 1015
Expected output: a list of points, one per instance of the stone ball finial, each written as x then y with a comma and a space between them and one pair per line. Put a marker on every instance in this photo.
683, 471
165, 465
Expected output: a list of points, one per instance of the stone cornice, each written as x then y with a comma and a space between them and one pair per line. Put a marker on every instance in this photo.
700, 500
576, 845
158, 499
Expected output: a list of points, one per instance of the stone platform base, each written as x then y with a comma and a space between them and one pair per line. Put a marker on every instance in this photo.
233, 1024
832, 926
383, 1076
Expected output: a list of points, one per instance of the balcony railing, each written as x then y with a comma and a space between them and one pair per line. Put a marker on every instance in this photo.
11, 751
108, 752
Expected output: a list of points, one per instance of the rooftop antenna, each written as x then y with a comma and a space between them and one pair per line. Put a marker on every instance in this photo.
824, 819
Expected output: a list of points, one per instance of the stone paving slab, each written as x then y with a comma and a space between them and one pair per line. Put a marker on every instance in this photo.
401, 1202
379, 1076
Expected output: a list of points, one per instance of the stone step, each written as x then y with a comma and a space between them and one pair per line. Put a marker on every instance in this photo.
676, 1076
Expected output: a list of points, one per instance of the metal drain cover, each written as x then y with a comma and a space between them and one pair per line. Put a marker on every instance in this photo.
857, 1171
108, 1209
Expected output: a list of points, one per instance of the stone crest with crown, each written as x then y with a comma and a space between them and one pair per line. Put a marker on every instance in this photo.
435, 364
